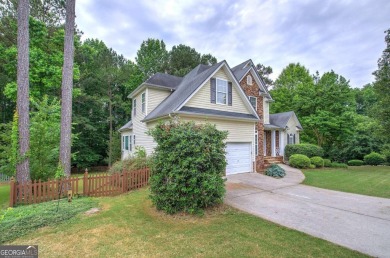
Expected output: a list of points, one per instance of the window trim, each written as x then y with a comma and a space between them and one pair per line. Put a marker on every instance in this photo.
130, 143
143, 102
253, 97
217, 91
249, 80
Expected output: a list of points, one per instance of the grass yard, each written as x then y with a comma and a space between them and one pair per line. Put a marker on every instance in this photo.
4, 196
129, 226
366, 180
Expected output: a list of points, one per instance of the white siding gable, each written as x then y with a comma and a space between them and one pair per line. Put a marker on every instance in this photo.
201, 99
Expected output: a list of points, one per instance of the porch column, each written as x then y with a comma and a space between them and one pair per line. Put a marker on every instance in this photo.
273, 145
281, 143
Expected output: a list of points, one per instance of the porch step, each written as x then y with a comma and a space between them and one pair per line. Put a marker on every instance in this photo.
273, 160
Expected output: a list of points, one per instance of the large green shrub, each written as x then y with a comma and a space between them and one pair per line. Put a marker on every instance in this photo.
317, 161
355, 162
275, 171
374, 159
188, 165
338, 165
327, 163
309, 150
299, 161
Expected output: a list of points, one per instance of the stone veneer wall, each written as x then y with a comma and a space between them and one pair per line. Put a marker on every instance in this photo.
254, 91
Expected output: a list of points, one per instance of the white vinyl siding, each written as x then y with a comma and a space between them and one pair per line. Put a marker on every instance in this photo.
266, 110
155, 97
134, 107
202, 98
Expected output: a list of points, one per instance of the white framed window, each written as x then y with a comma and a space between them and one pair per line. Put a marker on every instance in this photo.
253, 101
291, 139
249, 80
126, 142
222, 91
135, 107
256, 143
143, 102
131, 144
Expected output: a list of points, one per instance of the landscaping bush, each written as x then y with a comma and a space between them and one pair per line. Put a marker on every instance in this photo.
355, 162
187, 166
299, 161
309, 150
338, 165
275, 171
374, 159
132, 163
317, 161
327, 163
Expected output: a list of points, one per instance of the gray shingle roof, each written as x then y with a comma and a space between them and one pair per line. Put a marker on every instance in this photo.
213, 112
281, 119
165, 80
239, 71
127, 126
187, 86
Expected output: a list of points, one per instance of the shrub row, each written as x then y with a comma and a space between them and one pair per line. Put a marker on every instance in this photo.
308, 150
355, 162
302, 161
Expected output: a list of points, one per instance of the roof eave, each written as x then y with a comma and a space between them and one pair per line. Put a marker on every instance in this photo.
217, 116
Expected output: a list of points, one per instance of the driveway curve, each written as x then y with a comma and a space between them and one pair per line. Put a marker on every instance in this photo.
355, 221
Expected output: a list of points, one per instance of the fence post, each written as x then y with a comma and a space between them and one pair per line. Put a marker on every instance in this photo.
12, 192
85, 183
124, 182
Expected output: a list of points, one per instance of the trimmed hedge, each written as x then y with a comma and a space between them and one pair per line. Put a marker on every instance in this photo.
299, 161
338, 165
275, 171
355, 162
374, 159
317, 161
327, 163
187, 166
309, 150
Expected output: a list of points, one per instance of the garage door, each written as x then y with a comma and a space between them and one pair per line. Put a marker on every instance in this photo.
238, 157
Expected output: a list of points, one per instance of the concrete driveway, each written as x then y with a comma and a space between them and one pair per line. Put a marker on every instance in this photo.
355, 221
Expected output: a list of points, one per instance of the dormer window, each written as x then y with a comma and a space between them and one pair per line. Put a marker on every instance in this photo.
249, 80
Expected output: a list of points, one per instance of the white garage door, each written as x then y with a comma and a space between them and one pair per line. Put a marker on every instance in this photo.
238, 157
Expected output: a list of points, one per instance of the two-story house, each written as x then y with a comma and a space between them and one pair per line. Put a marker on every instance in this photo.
234, 99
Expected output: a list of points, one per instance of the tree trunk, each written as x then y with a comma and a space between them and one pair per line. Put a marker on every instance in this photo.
23, 107
67, 86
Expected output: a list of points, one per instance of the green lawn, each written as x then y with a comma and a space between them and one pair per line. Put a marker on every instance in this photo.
128, 226
367, 180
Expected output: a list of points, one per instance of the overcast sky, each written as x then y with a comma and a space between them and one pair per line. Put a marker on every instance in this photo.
346, 36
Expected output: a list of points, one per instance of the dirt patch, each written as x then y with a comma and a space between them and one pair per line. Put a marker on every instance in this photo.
235, 186
92, 211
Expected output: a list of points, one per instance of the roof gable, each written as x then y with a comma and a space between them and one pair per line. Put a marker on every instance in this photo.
281, 119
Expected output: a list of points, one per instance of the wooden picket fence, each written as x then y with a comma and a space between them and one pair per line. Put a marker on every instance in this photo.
89, 185
4, 178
